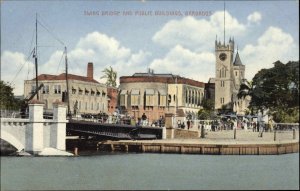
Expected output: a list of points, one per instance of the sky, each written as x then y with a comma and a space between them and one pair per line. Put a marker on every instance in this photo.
175, 37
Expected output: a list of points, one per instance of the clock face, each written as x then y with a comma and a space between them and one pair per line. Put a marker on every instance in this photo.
223, 56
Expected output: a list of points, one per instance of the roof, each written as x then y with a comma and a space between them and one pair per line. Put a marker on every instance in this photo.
62, 76
157, 78
237, 61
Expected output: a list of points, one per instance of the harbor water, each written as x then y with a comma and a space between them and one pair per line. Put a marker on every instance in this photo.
138, 171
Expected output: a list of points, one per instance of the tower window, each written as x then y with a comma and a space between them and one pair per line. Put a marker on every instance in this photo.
222, 100
222, 84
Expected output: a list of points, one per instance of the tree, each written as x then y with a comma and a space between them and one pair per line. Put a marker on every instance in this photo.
111, 76
7, 99
208, 109
276, 89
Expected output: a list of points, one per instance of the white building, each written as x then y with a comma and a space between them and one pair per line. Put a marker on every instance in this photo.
85, 93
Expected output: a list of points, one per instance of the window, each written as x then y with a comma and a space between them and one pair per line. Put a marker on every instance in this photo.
45, 89
149, 97
98, 106
186, 97
92, 106
222, 100
222, 84
86, 92
73, 91
223, 73
122, 100
235, 73
32, 89
135, 100
85, 105
79, 104
162, 100
80, 91
92, 93
149, 100
57, 89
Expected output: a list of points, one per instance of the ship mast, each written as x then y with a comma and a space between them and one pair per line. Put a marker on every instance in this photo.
36, 59
67, 82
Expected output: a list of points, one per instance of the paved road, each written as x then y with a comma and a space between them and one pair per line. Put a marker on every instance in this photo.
227, 137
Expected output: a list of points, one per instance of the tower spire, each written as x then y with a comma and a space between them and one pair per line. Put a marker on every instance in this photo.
224, 22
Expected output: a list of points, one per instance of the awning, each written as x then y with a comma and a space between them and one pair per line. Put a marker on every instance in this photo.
135, 92
123, 92
162, 92
149, 91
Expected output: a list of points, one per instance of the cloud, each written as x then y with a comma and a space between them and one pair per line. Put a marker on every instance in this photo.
184, 62
103, 51
17, 69
274, 44
197, 34
255, 18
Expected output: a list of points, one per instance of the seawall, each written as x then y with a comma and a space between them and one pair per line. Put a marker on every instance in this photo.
194, 148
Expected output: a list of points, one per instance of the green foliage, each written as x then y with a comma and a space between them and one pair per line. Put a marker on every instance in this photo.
208, 110
203, 114
111, 76
276, 89
208, 104
290, 115
7, 99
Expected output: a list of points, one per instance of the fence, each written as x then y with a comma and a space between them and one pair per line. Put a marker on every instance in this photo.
286, 126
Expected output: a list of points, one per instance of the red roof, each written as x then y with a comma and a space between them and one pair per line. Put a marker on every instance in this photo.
63, 77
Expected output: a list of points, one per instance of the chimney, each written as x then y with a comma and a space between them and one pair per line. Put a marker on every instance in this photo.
90, 71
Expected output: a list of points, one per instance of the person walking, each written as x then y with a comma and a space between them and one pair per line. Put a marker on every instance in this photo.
188, 124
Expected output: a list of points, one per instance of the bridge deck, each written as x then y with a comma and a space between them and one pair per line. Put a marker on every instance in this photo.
112, 131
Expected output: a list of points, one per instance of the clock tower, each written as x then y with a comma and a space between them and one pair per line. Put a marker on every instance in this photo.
224, 76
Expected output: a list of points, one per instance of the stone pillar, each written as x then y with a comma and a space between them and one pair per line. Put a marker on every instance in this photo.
58, 128
169, 125
164, 133
34, 139
169, 120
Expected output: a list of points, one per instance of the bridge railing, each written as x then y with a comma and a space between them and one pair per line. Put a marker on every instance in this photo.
13, 114
286, 126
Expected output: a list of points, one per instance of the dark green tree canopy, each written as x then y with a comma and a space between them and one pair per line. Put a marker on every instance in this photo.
7, 99
276, 88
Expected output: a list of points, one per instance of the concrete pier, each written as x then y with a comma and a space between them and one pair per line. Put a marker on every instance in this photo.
216, 143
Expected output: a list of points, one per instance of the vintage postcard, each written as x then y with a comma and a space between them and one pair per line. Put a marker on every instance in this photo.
145, 94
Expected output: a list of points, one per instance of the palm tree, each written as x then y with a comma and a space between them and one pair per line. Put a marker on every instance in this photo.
246, 89
111, 76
